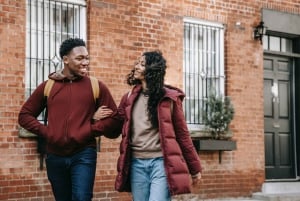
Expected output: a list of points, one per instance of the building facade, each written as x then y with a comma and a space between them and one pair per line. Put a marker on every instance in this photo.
210, 45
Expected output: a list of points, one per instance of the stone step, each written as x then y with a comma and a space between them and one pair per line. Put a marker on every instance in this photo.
281, 187
279, 191
277, 197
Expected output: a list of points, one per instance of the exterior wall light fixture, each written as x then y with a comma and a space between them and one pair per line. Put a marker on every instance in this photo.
259, 31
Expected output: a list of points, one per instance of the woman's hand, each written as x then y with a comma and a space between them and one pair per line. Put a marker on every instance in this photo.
196, 178
102, 113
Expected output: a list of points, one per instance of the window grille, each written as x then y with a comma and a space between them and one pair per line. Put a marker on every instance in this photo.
203, 71
49, 22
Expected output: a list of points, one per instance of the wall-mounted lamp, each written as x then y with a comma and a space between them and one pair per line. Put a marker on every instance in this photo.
259, 31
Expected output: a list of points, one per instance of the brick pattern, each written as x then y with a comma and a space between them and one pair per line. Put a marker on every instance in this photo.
118, 31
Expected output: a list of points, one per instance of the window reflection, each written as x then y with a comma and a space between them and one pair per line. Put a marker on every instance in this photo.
286, 45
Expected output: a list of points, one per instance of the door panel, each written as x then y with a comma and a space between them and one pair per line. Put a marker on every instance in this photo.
279, 158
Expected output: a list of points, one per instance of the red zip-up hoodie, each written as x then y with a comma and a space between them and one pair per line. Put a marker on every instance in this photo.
71, 107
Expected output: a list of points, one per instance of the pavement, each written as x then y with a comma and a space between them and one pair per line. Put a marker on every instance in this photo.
270, 197
271, 191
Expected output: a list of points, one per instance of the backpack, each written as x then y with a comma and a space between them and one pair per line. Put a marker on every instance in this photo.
41, 142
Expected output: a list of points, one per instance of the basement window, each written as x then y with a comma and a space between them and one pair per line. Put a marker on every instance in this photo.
203, 67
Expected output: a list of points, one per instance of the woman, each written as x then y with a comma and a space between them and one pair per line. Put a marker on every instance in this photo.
157, 155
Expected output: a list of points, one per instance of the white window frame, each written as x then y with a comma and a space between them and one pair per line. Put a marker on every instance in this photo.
196, 66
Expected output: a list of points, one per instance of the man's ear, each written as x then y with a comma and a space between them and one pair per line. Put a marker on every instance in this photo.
65, 59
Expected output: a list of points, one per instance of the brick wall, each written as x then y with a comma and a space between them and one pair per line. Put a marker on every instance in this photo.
118, 31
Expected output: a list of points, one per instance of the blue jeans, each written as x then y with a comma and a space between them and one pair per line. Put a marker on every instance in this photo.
148, 180
72, 177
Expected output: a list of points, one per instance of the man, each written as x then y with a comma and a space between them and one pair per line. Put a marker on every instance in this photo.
71, 130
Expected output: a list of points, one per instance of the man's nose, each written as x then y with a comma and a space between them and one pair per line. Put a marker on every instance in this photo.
85, 61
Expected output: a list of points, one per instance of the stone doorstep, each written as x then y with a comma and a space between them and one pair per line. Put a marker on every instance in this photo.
279, 191
281, 187
277, 197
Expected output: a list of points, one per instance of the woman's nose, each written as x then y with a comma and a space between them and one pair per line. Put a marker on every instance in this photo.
137, 66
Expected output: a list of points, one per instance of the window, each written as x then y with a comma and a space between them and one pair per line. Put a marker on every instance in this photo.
48, 23
203, 67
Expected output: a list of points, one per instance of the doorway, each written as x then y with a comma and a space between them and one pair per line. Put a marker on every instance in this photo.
279, 127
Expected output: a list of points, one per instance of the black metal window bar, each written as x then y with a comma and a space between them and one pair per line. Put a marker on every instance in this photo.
49, 22
203, 68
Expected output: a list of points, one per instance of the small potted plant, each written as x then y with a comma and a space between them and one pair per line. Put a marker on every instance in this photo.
217, 115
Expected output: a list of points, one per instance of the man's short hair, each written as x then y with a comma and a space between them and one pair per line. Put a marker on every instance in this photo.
67, 46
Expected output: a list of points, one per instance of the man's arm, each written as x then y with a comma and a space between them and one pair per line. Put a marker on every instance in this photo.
31, 109
111, 126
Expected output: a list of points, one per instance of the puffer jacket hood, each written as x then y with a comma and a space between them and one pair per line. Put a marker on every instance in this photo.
174, 92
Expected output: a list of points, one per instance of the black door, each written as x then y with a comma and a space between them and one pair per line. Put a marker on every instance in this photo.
278, 118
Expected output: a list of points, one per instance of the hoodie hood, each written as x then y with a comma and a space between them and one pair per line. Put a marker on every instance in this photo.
59, 76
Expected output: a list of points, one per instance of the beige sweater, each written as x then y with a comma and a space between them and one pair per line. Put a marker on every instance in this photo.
145, 142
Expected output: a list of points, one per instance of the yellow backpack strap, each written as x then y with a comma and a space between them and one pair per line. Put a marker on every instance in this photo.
96, 93
41, 142
95, 87
48, 87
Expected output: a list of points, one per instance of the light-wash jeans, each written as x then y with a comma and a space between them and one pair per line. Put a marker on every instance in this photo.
148, 180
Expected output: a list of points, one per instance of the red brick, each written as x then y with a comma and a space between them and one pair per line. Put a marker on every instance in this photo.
118, 31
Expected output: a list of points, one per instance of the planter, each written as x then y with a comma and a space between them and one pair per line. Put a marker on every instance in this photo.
214, 145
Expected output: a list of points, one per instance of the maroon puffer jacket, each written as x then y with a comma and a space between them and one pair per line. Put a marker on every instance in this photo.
180, 156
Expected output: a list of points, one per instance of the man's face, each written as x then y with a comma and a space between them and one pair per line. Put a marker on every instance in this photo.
77, 61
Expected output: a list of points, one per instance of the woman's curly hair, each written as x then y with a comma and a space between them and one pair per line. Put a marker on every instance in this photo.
155, 70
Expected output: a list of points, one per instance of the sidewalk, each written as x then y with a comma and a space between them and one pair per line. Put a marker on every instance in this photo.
271, 191
262, 197
193, 197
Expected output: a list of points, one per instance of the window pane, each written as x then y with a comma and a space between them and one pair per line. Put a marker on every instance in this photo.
274, 43
265, 42
286, 45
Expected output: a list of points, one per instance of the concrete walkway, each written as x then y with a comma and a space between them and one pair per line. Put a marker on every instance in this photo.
270, 197
271, 191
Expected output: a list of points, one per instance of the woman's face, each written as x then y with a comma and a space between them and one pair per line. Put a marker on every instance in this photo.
139, 69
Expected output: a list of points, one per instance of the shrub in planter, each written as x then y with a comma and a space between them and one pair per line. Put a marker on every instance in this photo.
218, 114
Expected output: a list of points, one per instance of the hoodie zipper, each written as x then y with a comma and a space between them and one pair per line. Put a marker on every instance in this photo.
66, 136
